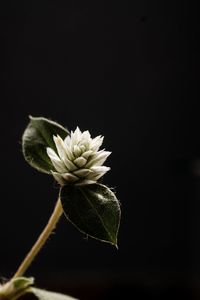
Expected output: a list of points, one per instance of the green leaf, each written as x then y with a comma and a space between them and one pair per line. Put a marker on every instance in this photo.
15, 288
93, 209
36, 138
47, 295
22, 282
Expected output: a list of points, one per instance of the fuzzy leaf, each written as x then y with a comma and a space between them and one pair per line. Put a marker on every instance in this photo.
36, 138
15, 288
47, 295
93, 209
20, 283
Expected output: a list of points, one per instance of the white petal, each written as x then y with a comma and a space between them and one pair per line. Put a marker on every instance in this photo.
77, 132
77, 150
98, 159
67, 141
58, 178
64, 147
51, 153
56, 161
82, 148
98, 172
87, 154
86, 182
82, 172
86, 144
69, 152
100, 169
60, 146
96, 143
86, 136
69, 177
58, 165
69, 164
80, 161
76, 136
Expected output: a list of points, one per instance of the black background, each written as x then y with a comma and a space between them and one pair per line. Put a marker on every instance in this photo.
128, 71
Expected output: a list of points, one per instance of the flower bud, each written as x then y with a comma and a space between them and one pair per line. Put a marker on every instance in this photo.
78, 159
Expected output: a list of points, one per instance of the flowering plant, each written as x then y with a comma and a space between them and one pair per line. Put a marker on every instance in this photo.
75, 161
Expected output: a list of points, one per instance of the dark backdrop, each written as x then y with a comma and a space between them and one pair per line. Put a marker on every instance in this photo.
127, 71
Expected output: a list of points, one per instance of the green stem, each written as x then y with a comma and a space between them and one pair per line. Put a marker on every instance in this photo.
41, 240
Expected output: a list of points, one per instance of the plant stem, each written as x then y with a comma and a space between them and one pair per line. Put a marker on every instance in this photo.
41, 240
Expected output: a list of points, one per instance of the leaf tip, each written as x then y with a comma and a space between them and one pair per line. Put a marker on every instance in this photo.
114, 243
31, 118
116, 246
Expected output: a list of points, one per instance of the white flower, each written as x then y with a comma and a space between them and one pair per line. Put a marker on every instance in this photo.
77, 159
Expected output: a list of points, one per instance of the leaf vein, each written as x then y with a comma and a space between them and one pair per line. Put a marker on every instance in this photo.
85, 195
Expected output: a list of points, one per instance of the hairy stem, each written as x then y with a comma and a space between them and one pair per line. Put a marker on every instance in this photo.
41, 240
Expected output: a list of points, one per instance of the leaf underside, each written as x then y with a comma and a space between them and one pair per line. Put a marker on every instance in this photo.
93, 209
36, 138
48, 295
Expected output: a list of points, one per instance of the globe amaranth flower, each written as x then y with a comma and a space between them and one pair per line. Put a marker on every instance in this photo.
78, 159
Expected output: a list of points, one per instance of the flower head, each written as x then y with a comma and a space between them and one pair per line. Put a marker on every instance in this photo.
78, 159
